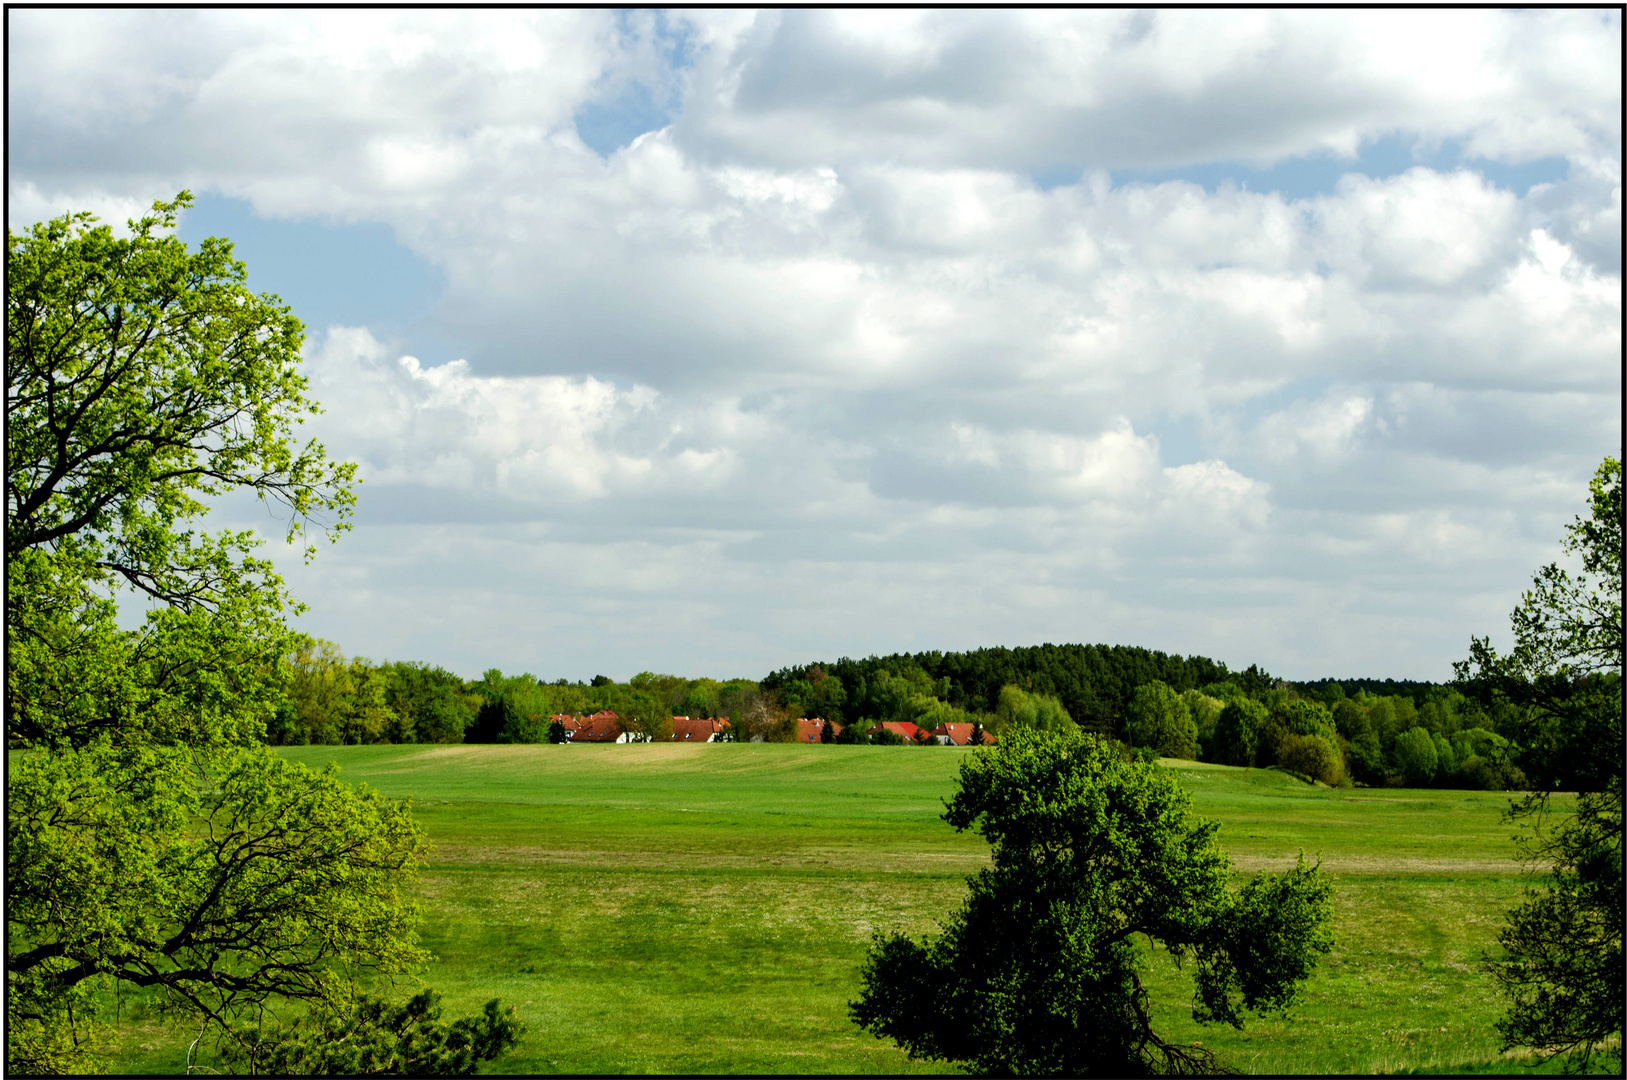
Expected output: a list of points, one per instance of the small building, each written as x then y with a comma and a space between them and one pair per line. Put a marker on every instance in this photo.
686, 730
813, 731
902, 728
601, 727
959, 735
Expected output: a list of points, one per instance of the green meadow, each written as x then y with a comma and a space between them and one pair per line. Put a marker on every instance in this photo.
683, 909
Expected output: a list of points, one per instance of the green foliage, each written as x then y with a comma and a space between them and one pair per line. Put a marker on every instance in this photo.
1563, 675
371, 1036
429, 700
1563, 964
1237, 731
1094, 683
1159, 718
1301, 735
1017, 708
1315, 756
647, 716
141, 378
1562, 972
1205, 711
1039, 971
1415, 757
201, 874
336, 701
513, 709
145, 846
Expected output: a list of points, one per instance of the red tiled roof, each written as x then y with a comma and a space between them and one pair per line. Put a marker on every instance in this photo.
961, 734
814, 730
899, 727
686, 730
598, 728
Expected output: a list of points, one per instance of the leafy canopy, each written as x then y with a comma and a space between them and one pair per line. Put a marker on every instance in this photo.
1039, 970
150, 842
142, 378
1562, 968
370, 1036
226, 881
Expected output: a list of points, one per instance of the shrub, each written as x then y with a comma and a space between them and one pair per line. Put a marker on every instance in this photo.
1315, 756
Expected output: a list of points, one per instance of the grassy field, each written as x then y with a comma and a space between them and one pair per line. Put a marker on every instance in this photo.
705, 908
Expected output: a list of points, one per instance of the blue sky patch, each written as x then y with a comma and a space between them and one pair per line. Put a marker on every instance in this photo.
1310, 176
608, 128
353, 275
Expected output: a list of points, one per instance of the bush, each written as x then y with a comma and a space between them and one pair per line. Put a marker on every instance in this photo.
374, 1037
1315, 756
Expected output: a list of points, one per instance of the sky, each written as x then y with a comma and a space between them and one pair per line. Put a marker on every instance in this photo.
714, 342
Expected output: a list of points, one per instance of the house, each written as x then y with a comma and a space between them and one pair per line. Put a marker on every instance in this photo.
902, 728
686, 730
814, 730
570, 723
958, 735
601, 727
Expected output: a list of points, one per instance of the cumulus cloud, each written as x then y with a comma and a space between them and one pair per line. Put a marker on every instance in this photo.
819, 335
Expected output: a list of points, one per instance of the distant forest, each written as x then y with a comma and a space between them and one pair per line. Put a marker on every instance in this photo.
1094, 683
1366, 731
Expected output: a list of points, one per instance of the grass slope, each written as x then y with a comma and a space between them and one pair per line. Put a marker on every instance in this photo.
705, 908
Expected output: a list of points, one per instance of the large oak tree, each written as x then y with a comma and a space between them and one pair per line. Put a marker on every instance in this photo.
151, 841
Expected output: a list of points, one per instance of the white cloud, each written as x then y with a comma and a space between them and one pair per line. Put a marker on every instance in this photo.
821, 338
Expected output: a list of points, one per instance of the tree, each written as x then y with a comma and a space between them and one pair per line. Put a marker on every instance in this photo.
1038, 972
1415, 757
141, 378
647, 717
199, 875
430, 700
1562, 965
338, 702
151, 841
1314, 756
1205, 711
1159, 719
1237, 731
370, 1036
1017, 708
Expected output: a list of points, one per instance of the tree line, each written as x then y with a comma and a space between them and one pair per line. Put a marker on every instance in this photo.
1182, 707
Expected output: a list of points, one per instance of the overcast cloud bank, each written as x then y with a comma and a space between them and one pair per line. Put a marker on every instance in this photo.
867, 342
